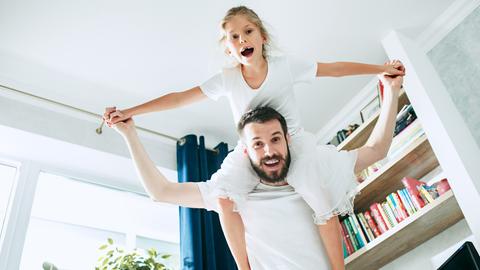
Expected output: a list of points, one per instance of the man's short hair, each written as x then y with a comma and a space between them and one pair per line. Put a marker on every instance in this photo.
261, 115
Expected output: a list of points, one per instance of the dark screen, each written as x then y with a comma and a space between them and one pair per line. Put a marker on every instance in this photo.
465, 258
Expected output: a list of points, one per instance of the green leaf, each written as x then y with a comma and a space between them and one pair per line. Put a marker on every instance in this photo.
166, 256
110, 241
105, 262
103, 247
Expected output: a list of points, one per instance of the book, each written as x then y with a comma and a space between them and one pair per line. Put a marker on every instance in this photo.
358, 231
422, 195
400, 206
346, 239
425, 193
353, 238
409, 200
411, 185
393, 206
404, 201
365, 227
371, 223
382, 226
345, 252
388, 222
389, 212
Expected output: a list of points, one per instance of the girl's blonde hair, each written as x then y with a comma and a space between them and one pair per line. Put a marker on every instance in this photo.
253, 18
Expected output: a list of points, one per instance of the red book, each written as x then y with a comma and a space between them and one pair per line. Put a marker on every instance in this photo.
378, 218
346, 239
411, 185
380, 90
372, 224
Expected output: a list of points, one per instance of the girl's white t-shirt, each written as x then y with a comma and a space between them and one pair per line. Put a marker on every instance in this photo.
283, 74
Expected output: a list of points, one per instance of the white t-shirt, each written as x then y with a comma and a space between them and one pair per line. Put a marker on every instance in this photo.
279, 231
276, 91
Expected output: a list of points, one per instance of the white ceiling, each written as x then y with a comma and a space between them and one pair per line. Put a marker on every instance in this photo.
92, 54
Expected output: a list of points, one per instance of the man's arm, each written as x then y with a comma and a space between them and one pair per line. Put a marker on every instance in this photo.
154, 182
378, 144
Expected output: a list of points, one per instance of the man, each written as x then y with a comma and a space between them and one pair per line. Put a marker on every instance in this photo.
279, 230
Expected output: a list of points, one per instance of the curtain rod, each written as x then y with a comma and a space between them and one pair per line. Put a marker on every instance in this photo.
99, 129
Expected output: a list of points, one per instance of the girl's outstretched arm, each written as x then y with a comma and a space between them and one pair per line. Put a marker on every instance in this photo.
165, 102
339, 69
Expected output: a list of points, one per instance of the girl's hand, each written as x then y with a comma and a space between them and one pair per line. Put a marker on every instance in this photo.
394, 68
113, 116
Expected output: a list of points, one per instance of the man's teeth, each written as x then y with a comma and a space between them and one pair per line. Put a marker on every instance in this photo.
271, 161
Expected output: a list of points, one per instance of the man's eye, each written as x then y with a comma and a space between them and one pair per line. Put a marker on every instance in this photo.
276, 139
258, 144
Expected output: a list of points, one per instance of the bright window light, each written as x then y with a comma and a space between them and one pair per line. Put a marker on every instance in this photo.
71, 219
7, 178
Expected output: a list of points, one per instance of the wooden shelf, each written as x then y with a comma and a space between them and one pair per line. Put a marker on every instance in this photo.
413, 231
416, 161
361, 134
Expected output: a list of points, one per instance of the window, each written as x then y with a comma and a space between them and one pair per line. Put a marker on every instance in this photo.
7, 178
162, 247
71, 219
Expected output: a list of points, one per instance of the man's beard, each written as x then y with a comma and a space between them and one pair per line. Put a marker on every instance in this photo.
276, 177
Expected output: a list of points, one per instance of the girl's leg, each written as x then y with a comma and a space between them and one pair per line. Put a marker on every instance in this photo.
234, 232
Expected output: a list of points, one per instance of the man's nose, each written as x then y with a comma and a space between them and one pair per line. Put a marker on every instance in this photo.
268, 150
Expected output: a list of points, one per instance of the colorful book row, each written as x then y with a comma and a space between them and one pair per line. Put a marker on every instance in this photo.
362, 228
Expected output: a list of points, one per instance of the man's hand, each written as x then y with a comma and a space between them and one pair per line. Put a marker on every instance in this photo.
394, 68
125, 128
393, 83
113, 116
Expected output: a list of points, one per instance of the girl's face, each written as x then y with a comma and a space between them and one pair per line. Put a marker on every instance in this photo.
243, 40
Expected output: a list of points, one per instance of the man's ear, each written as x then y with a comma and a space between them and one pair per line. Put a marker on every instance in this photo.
288, 138
245, 151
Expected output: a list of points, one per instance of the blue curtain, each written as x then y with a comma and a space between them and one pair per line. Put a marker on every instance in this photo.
202, 243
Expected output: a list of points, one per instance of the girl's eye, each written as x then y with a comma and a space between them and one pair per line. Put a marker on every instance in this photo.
249, 31
234, 36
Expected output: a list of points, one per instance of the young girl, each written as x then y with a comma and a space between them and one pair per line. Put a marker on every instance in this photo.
261, 80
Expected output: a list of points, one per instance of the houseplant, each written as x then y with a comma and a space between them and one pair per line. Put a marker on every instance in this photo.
115, 258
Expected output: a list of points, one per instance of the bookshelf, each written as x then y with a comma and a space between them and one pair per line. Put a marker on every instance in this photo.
416, 161
416, 229
360, 135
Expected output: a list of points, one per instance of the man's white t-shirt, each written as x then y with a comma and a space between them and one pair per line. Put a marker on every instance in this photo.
276, 91
279, 231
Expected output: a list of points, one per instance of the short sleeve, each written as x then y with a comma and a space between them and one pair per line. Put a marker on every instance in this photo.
208, 192
214, 87
302, 70
340, 160
234, 180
